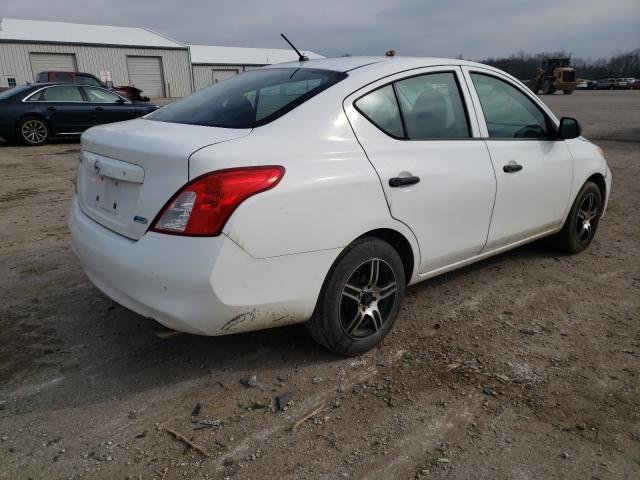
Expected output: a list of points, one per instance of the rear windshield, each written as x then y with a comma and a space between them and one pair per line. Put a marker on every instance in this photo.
13, 91
250, 99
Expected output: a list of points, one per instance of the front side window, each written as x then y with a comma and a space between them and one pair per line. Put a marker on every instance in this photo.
432, 107
99, 95
57, 94
508, 112
249, 99
84, 80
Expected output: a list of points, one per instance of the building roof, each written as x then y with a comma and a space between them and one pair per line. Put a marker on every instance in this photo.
205, 54
75, 33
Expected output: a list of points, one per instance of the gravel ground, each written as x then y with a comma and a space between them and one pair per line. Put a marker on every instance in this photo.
523, 366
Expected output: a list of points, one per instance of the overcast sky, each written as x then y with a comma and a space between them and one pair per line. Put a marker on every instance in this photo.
477, 29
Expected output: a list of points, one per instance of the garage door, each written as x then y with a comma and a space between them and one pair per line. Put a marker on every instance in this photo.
145, 73
220, 75
56, 62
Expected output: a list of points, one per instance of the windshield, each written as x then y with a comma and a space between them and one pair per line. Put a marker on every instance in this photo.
13, 91
250, 99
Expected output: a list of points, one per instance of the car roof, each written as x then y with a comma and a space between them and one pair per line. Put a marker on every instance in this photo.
347, 64
63, 84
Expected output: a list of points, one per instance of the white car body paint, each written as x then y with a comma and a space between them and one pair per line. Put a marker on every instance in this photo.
275, 251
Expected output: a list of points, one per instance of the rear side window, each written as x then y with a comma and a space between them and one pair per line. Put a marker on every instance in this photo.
432, 107
57, 94
381, 108
250, 99
424, 107
508, 112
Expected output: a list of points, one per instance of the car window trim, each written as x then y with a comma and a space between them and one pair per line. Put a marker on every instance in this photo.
552, 126
26, 99
448, 69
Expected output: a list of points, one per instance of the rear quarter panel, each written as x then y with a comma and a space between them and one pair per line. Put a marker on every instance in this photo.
329, 196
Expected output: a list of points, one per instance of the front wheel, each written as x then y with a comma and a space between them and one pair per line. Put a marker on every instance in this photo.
32, 131
360, 299
548, 88
582, 222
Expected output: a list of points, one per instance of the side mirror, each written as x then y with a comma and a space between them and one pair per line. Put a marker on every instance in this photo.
569, 128
120, 101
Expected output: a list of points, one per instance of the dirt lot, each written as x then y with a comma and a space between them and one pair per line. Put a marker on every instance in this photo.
524, 366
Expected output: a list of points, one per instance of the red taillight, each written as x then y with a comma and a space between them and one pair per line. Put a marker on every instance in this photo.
203, 206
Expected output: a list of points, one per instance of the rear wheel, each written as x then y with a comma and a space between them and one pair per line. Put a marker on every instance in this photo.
582, 222
360, 299
32, 131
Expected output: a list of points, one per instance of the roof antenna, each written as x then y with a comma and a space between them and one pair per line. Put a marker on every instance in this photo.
301, 57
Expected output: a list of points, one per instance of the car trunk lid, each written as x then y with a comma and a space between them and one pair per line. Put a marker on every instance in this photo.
129, 170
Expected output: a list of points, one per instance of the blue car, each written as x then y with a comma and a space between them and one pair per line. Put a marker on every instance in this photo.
32, 114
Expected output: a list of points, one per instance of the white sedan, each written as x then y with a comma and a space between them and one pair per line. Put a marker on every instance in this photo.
317, 191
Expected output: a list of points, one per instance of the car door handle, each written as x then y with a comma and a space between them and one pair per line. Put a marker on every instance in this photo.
98, 109
511, 167
403, 181
51, 109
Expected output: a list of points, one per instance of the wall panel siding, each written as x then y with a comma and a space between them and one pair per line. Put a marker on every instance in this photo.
14, 61
145, 73
59, 62
203, 74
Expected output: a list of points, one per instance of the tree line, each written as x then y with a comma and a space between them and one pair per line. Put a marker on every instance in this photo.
523, 65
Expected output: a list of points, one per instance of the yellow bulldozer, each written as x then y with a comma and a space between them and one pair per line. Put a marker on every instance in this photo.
554, 74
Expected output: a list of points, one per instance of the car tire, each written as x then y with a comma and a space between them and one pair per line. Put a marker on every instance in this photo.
582, 222
33, 131
360, 299
547, 88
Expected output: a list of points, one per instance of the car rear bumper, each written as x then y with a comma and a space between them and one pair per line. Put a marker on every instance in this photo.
201, 285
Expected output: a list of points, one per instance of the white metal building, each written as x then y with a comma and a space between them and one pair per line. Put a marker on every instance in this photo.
213, 64
152, 62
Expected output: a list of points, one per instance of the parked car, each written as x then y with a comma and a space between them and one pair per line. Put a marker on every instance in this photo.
627, 82
317, 191
587, 85
621, 84
131, 93
32, 114
635, 85
607, 84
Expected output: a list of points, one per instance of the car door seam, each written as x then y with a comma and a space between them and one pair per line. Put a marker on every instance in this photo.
480, 137
384, 193
495, 195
